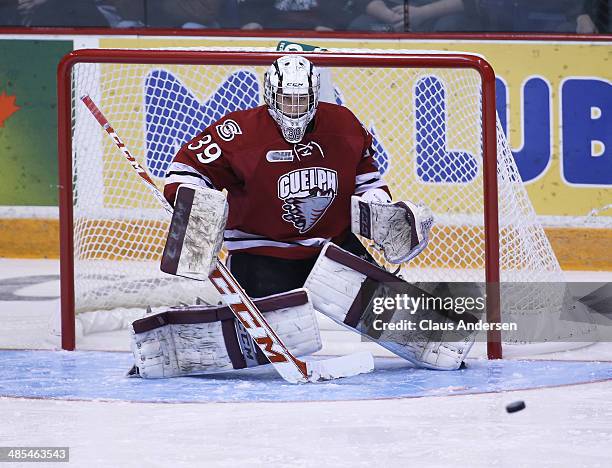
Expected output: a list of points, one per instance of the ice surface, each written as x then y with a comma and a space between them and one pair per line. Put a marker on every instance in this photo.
561, 427
413, 419
96, 375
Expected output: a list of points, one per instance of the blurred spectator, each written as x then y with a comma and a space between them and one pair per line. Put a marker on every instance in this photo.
123, 13
416, 16
594, 17
380, 15
8, 13
187, 14
60, 13
442, 15
541, 16
319, 15
553, 16
228, 14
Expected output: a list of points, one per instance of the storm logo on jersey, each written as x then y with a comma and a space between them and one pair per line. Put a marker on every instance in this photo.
307, 194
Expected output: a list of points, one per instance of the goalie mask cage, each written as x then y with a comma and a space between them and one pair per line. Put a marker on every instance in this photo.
435, 134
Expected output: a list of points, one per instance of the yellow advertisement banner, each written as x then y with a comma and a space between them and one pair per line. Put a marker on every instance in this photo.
554, 101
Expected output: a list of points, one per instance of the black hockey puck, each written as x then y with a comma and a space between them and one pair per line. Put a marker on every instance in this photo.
515, 406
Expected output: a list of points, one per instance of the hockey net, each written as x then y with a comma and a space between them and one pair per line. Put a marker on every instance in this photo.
431, 120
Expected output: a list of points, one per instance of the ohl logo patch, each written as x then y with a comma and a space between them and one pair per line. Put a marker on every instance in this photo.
307, 194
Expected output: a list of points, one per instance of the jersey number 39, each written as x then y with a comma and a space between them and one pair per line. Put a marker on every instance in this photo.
211, 151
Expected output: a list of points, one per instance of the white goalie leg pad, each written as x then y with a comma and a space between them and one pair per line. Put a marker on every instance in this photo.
340, 286
196, 231
400, 229
203, 340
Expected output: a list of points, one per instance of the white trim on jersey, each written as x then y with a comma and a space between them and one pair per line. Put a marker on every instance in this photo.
180, 167
363, 178
365, 187
237, 233
368, 181
182, 179
236, 239
185, 174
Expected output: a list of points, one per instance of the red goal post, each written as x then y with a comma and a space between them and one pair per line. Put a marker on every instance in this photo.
68, 87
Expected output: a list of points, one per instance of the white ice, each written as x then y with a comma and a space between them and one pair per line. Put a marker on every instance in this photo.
565, 426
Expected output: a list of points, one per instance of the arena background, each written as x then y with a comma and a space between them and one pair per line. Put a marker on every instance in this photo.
554, 98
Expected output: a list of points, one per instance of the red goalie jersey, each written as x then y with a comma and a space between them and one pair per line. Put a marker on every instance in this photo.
286, 200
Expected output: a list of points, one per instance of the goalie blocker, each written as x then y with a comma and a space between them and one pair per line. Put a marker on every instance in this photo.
196, 340
196, 231
343, 287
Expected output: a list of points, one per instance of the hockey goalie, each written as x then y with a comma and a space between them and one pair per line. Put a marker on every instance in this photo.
287, 188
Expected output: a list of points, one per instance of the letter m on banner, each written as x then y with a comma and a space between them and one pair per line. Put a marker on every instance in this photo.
173, 115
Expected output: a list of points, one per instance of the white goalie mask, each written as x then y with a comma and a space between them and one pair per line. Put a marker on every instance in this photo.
291, 91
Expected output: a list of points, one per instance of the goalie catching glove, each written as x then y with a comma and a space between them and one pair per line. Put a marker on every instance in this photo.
400, 229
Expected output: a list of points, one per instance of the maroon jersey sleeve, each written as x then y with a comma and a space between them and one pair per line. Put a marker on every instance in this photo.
368, 176
204, 161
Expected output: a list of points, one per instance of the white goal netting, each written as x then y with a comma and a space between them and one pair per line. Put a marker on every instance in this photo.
428, 131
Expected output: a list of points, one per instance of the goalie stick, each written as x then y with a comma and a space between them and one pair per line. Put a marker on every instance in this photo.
288, 366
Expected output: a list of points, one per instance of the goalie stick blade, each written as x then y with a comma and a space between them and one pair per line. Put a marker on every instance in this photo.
343, 366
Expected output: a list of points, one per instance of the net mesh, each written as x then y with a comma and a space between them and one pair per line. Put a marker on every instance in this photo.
428, 136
